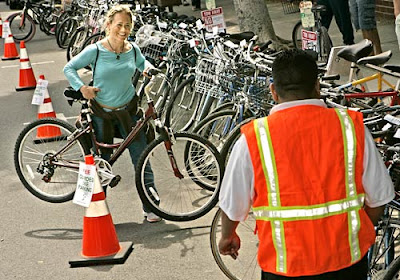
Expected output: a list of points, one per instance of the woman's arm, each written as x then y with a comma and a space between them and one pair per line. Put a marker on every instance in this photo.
84, 58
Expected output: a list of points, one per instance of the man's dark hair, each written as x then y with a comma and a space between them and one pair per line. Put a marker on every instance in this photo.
294, 73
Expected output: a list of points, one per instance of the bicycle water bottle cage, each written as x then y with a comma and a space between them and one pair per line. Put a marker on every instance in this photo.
376, 59
318, 8
354, 52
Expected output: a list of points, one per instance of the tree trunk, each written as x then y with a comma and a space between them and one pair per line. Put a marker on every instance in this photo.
253, 15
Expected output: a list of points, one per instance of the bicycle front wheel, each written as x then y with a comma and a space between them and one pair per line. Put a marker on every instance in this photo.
245, 267
22, 27
40, 171
180, 199
296, 36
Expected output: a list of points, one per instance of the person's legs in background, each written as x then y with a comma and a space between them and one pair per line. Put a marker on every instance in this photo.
340, 9
326, 17
363, 17
196, 5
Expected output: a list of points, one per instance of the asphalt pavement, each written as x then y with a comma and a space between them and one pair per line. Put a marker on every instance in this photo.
37, 239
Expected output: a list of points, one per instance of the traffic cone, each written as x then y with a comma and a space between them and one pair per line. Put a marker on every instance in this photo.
46, 111
10, 50
100, 243
26, 77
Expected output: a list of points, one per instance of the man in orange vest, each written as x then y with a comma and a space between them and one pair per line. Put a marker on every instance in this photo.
313, 177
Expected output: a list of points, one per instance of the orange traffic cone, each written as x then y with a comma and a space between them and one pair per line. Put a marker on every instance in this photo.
10, 50
100, 243
26, 77
46, 111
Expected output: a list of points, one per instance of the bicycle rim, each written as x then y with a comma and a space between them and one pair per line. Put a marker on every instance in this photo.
180, 199
245, 267
37, 142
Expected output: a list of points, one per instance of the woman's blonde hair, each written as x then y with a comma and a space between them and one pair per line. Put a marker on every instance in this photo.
117, 9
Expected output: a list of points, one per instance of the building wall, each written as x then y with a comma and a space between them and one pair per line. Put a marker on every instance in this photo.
384, 9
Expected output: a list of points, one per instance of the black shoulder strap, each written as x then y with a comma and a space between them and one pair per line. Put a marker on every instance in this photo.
133, 47
95, 62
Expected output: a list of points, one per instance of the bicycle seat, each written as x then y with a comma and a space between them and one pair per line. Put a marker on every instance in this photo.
354, 52
376, 59
237, 37
392, 67
318, 8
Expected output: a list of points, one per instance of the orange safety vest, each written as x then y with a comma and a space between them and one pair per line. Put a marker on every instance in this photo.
309, 197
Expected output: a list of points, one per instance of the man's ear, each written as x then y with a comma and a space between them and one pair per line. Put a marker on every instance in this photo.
273, 92
317, 89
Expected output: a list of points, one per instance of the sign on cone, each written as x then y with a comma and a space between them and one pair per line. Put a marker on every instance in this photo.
26, 77
46, 111
100, 243
10, 49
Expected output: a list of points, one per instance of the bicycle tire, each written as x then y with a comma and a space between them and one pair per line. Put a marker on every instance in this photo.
179, 199
326, 44
26, 31
30, 153
296, 36
216, 127
393, 272
245, 267
76, 43
182, 106
385, 249
65, 31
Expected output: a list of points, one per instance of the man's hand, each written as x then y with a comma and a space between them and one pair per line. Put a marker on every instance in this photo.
230, 246
89, 92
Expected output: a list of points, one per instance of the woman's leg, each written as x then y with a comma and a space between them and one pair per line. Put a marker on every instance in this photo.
135, 150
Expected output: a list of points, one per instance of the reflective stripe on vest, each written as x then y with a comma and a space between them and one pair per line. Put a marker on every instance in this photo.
277, 214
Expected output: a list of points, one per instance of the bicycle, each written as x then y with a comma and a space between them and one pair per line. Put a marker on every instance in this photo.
22, 24
187, 169
316, 33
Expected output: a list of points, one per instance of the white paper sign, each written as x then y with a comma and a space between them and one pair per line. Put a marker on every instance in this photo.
307, 16
214, 17
210, 4
162, 25
397, 134
199, 24
309, 40
6, 29
182, 25
85, 184
40, 92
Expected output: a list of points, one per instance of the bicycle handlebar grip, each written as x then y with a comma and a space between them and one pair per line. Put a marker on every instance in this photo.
153, 71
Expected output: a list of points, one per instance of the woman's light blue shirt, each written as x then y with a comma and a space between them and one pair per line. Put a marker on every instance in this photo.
112, 76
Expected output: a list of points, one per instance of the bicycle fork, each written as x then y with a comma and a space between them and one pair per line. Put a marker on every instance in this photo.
168, 142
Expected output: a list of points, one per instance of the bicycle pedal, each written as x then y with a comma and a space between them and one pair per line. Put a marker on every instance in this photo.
115, 181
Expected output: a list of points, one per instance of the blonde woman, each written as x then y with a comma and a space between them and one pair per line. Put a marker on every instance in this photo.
112, 95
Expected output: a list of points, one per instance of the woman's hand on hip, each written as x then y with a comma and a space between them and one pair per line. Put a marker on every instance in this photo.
89, 92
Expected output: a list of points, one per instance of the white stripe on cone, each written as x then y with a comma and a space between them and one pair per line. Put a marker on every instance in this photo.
45, 108
23, 54
25, 65
97, 209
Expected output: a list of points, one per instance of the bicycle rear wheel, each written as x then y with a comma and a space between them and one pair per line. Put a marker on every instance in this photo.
36, 145
296, 35
177, 199
22, 27
245, 267
182, 106
325, 45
